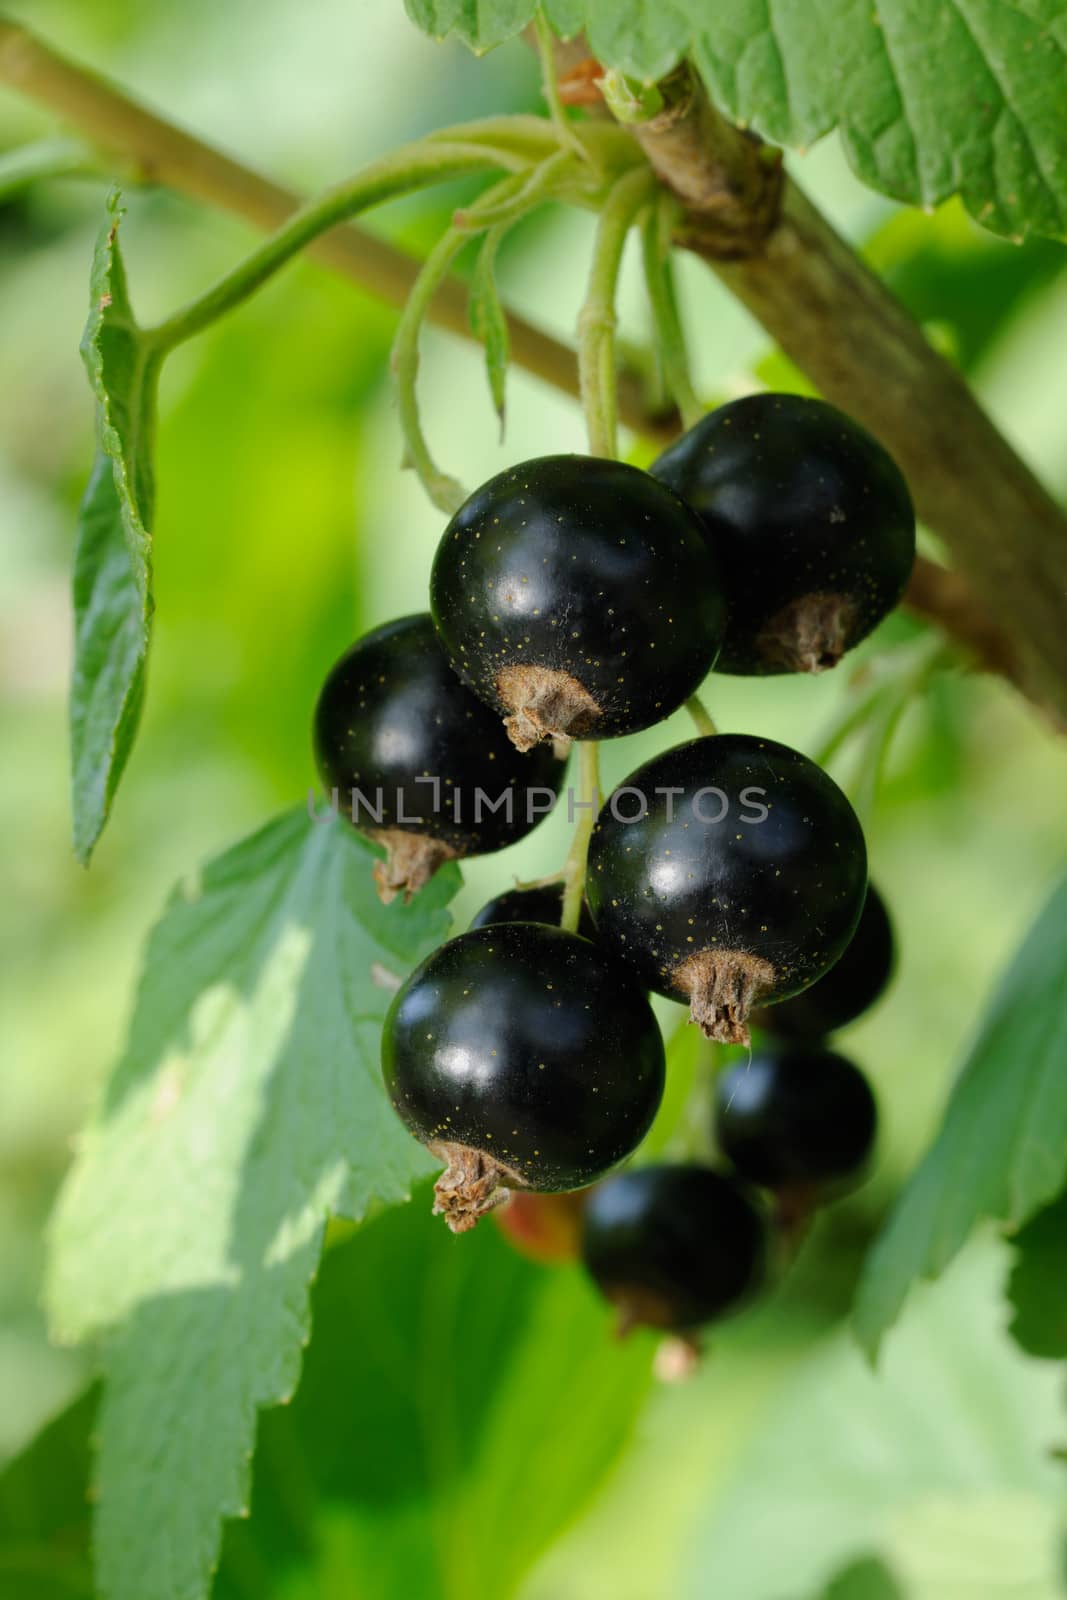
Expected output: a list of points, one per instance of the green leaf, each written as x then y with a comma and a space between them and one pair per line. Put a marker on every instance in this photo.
479, 23
110, 651
1001, 1151
1037, 1287
932, 97
565, 17
421, 1453
487, 319
247, 1106
44, 1510
458, 1407
642, 38
940, 1463
113, 555
864, 1579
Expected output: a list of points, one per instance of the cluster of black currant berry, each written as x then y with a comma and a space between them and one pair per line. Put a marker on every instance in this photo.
577, 598
675, 1245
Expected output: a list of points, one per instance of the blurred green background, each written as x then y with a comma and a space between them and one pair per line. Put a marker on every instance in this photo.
286, 527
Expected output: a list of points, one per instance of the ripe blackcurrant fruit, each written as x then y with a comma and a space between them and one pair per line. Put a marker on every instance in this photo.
418, 762
811, 521
672, 1246
543, 904
727, 870
851, 986
516, 1057
795, 1117
578, 597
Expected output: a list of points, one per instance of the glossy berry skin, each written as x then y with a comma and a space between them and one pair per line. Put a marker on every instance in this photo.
851, 986
811, 521
392, 716
516, 1055
543, 904
795, 1116
672, 1246
578, 597
743, 886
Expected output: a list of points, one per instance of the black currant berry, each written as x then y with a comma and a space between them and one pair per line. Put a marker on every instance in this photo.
514, 1054
543, 904
728, 870
578, 597
795, 1117
672, 1246
810, 519
851, 986
418, 762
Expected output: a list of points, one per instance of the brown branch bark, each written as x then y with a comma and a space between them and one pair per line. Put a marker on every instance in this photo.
844, 328
165, 154
729, 183
947, 600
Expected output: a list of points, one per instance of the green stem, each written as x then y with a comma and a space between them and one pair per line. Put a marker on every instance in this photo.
574, 868
487, 320
446, 492
874, 753
598, 385
409, 168
539, 185
656, 230
628, 99
601, 144
702, 719
852, 718
546, 47
523, 134
927, 658
882, 727
597, 376
507, 199
540, 883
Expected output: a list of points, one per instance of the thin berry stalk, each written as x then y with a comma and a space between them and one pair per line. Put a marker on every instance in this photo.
597, 374
574, 869
701, 717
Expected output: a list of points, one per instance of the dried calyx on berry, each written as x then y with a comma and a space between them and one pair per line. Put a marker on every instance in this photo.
418, 763
578, 597
729, 871
516, 1055
811, 521
673, 1247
